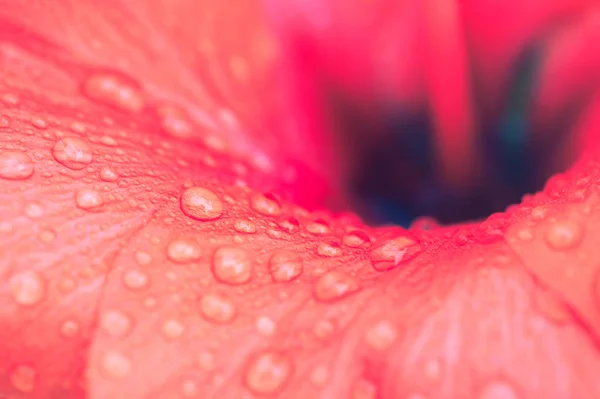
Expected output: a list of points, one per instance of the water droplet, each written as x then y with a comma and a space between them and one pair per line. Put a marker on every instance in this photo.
143, 258
266, 204
116, 323
268, 372
381, 335
318, 227
28, 288
88, 199
189, 388
69, 329
39, 122
15, 165
355, 239
324, 329
206, 360
115, 364
564, 235
201, 203
244, 226
330, 249
34, 210
232, 265
319, 375
23, 378
108, 175
175, 121
136, 280
173, 329
265, 326
217, 308
498, 390
285, 266
47, 236
184, 250
114, 90
290, 224
334, 285
72, 152
389, 253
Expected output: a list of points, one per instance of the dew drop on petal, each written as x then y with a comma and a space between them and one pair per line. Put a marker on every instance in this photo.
324, 329
217, 308
34, 210
564, 235
174, 121
143, 258
265, 325
232, 265
265, 204
115, 365
244, 226
498, 390
285, 266
381, 335
47, 236
355, 239
88, 199
23, 378
72, 152
28, 288
15, 165
114, 90
319, 375
116, 323
201, 204
268, 372
173, 329
136, 280
184, 250
69, 328
334, 285
329, 249
389, 253
318, 227
108, 174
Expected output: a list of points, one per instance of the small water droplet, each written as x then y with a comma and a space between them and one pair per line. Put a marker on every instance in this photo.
498, 390
285, 266
356, 239
143, 258
334, 285
39, 122
34, 210
330, 249
28, 288
564, 235
47, 236
324, 329
175, 121
15, 165
318, 227
319, 375
23, 378
390, 252
72, 153
136, 280
265, 204
173, 329
244, 226
265, 326
114, 90
69, 328
115, 365
184, 250
116, 323
290, 224
268, 372
201, 204
88, 199
232, 265
381, 335
217, 308
108, 175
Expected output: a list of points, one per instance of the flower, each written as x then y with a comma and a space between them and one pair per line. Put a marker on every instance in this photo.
164, 234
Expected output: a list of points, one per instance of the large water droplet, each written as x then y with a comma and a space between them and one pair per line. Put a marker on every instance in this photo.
563, 235
34, 210
265, 326
116, 323
28, 288
285, 266
388, 253
23, 378
244, 226
15, 165
266, 204
268, 372
356, 239
88, 199
217, 308
201, 203
318, 227
136, 280
184, 250
334, 285
114, 90
381, 335
232, 265
72, 152
115, 365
